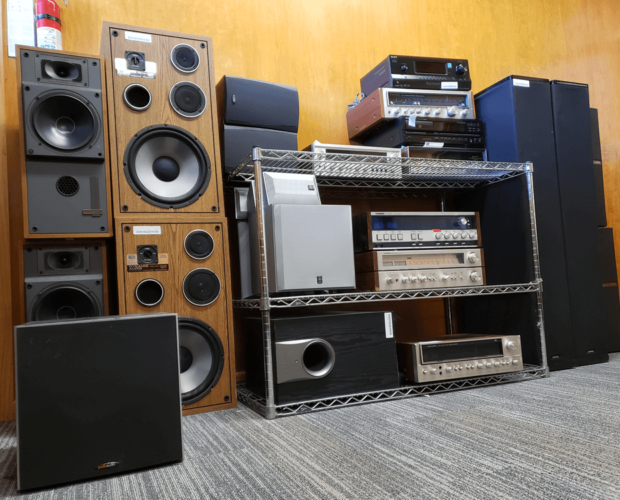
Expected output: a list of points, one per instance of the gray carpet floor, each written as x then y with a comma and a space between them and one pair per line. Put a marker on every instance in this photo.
555, 438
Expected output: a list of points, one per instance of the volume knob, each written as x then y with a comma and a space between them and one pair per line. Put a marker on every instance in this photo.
389, 280
445, 277
451, 111
474, 277
473, 258
511, 346
460, 69
423, 279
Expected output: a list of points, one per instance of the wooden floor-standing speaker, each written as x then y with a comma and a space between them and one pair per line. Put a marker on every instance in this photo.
163, 121
182, 267
64, 152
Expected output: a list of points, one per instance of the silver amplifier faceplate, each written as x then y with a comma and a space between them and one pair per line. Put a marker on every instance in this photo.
428, 238
430, 278
402, 260
452, 104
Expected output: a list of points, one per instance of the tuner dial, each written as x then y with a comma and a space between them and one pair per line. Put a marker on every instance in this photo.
462, 221
460, 69
404, 68
474, 277
473, 258
451, 111
511, 346
427, 111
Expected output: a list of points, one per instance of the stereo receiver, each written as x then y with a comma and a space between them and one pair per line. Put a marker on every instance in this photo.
386, 281
386, 103
405, 260
459, 356
411, 72
463, 154
392, 230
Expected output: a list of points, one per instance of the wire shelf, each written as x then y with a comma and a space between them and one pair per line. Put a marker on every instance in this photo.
343, 298
365, 171
257, 403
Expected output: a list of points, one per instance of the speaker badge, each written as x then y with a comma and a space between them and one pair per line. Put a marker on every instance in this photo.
107, 465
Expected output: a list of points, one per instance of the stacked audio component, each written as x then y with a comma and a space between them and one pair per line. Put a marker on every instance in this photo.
417, 250
548, 123
606, 252
171, 245
255, 113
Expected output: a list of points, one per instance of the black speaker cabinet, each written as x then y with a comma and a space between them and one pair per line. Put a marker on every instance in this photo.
64, 145
254, 103
96, 397
318, 357
611, 303
65, 281
606, 255
597, 165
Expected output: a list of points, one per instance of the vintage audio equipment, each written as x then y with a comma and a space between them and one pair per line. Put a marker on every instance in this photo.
409, 131
183, 267
597, 165
412, 72
65, 191
522, 124
459, 356
384, 104
254, 103
295, 224
96, 397
237, 143
163, 121
448, 277
333, 169
392, 230
463, 154
65, 281
406, 260
324, 356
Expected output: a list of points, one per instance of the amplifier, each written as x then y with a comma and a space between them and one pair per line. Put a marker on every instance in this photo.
459, 356
401, 260
386, 103
411, 72
392, 230
385, 281
347, 149
427, 132
463, 154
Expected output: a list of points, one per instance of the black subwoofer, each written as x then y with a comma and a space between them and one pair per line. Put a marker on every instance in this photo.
201, 356
167, 166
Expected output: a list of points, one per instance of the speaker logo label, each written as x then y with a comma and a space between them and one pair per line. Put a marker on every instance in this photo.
107, 465
134, 267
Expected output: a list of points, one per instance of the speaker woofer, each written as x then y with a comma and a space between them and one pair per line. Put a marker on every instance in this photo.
64, 120
137, 97
201, 287
199, 244
167, 166
149, 292
65, 301
188, 99
185, 58
201, 356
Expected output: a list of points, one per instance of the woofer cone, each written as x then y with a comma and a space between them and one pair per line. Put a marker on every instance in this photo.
199, 244
185, 58
318, 358
149, 292
188, 99
201, 359
65, 301
64, 120
201, 287
167, 166
137, 97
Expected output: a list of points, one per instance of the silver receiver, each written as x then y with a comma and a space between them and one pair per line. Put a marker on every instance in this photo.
403, 260
421, 279
453, 104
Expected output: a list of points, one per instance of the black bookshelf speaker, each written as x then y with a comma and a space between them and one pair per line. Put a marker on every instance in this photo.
96, 397
325, 356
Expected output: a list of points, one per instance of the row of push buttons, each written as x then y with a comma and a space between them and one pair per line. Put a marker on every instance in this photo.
474, 366
398, 237
456, 235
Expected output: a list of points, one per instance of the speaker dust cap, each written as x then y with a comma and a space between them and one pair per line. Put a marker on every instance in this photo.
201, 287
199, 244
65, 301
188, 99
167, 166
185, 58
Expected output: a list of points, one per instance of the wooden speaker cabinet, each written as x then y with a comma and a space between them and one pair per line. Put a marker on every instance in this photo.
182, 267
163, 121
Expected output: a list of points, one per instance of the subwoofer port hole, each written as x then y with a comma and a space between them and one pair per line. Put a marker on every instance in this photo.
318, 358
137, 97
149, 292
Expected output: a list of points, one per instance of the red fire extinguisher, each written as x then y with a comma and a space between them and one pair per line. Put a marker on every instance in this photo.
49, 35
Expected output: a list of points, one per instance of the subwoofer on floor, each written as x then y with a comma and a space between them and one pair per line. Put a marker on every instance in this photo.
183, 268
63, 124
64, 281
163, 121
96, 397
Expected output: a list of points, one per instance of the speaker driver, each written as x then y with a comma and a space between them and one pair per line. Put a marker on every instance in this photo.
149, 292
65, 301
201, 287
185, 58
137, 97
199, 244
64, 120
188, 99
167, 166
64, 260
201, 357
61, 70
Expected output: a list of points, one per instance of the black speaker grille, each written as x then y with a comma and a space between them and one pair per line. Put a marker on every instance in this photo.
67, 185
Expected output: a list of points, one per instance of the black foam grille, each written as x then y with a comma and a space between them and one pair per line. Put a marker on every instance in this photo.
67, 185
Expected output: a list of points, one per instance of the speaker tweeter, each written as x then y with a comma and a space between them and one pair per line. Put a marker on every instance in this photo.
185, 58
199, 244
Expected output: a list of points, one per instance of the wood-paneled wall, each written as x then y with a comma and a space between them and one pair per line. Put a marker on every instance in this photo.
323, 47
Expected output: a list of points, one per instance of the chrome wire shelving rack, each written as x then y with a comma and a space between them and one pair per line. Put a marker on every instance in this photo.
390, 174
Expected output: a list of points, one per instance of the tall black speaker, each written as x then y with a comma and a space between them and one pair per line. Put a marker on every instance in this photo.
96, 397
318, 357
64, 141
597, 165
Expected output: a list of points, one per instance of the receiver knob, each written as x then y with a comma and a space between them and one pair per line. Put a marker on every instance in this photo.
427, 111
437, 111
474, 277
480, 365
404, 279
448, 369
447, 235
445, 277
451, 111
515, 362
511, 346
438, 236
472, 235
460, 69
497, 363
433, 370
396, 111
464, 112
423, 279
414, 279
473, 258
389, 280
489, 365
464, 235
462, 221
404, 68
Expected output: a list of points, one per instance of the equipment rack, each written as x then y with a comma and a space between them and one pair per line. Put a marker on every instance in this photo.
372, 172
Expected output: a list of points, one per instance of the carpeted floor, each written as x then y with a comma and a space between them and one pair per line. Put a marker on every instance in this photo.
555, 438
